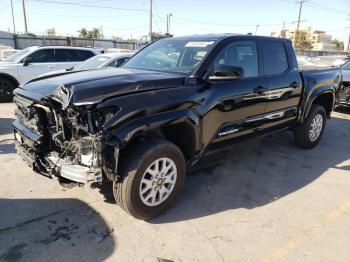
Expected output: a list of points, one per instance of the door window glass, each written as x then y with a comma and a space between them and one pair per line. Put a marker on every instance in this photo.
117, 63
240, 54
43, 56
275, 58
69, 55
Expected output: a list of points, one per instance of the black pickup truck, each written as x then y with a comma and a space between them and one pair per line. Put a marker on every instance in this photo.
144, 125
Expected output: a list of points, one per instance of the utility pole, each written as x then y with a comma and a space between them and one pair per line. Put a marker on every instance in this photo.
25, 17
297, 35
150, 19
13, 19
349, 37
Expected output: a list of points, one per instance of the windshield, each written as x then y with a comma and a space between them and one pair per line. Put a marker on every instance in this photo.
171, 55
92, 63
14, 57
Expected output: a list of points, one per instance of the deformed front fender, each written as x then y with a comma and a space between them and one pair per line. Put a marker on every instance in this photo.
148, 123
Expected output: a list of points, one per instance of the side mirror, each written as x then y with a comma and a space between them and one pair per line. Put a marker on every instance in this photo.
27, 61
227, 72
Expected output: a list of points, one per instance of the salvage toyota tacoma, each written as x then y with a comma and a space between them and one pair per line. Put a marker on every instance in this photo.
144, 125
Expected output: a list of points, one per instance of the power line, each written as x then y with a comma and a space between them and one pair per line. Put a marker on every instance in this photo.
86, 5
325, 8
80, 16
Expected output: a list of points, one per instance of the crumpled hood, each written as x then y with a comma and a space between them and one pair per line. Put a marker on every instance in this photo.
90, 87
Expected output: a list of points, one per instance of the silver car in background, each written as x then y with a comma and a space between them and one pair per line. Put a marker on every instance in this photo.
96, 62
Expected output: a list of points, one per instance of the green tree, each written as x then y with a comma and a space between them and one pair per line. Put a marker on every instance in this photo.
339, 44
157, 36
305, 45
83, 32
91, 34
95, 33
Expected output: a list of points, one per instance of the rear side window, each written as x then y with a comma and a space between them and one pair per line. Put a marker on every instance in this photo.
43, 56
69, 55
346, 66
82, 55
117, 63
240, 54
275, 58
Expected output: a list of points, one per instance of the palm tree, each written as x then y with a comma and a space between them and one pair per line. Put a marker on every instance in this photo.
83, 32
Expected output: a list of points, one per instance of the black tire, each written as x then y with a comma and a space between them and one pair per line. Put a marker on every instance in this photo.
6, 89
139, 158
302, 132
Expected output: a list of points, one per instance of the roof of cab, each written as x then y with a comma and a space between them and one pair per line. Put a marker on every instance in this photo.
216, 37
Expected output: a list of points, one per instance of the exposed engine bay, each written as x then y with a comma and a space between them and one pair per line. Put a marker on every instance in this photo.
59, 141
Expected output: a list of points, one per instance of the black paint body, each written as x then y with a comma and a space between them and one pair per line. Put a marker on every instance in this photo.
203, 114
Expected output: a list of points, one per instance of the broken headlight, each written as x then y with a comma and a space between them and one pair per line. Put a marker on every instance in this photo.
87, 151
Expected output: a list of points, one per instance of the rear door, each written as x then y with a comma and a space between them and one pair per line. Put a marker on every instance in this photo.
283, 81
42, 61
67, 58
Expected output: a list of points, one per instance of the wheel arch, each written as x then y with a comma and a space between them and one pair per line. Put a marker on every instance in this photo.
180, 127
325, 98
12, 78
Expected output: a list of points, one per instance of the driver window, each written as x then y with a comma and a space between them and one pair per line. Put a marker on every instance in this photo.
43, 56
240, 54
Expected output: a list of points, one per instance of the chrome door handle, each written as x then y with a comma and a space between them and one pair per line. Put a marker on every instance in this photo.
294, 84
259, 89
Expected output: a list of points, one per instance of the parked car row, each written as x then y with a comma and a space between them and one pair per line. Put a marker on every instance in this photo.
320, 62
35, 61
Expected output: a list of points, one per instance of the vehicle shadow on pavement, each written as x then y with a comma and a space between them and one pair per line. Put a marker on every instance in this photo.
53, 230
258, 172
343, 109
6, 126
6, 147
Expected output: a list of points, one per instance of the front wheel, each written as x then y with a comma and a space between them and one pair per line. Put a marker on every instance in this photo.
152, 178
309, 134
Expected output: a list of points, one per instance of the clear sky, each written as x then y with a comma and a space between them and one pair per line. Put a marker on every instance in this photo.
189, 17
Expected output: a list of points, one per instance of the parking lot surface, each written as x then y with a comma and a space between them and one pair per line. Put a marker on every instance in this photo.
264, 200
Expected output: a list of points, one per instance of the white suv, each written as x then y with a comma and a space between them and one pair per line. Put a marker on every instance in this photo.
34, 61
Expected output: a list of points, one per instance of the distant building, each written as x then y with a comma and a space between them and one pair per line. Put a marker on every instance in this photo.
51, 32
319, 39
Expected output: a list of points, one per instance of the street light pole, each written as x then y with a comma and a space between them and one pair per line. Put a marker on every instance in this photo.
13, 19
168, 23
256, 29
150, 19
25, 17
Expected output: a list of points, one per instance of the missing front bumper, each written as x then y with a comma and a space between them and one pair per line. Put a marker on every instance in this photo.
80, 174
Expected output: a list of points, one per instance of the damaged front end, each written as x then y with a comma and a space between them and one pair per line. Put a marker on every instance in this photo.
58, 139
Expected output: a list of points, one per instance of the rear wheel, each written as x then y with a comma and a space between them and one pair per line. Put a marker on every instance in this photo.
6, 89
310, 132
152, 178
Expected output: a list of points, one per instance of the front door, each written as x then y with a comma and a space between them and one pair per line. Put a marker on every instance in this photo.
235, 108
42, 61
